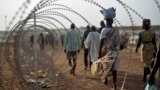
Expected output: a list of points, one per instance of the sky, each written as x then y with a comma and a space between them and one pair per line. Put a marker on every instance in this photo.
147, 8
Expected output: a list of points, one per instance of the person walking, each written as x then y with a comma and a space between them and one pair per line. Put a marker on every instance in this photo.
93, 42
72, 45
32, 40
109, 39
41, 39
147, 39
86, 52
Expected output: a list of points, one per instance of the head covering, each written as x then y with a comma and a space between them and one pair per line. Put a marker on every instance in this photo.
109, 13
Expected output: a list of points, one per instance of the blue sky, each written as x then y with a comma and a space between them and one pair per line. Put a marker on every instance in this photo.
147, 8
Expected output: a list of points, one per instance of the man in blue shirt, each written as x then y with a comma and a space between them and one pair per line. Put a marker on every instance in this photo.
72, 44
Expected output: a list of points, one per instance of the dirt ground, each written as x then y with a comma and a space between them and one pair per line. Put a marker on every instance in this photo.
83, 79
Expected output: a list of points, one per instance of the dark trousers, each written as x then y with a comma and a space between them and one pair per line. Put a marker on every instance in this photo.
86, 61
114, 73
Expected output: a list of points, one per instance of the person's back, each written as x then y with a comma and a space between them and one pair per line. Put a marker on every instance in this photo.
86, 61
95, 36
73, 40
93, 42
112, 54
72, 44
147, 36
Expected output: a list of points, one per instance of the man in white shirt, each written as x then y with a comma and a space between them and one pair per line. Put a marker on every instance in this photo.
92, 42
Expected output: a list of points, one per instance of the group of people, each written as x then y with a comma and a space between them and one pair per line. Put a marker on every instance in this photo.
102, 46
42, 40
99, 45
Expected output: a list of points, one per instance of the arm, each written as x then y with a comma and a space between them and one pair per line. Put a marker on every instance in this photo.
139, 43
154, 43
102, 34
101, 44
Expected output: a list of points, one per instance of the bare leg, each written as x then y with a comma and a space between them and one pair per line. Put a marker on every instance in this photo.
69, 62
74, 66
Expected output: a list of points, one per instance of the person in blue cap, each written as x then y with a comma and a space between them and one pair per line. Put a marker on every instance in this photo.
110, 39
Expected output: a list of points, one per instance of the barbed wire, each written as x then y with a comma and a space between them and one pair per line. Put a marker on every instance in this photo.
130, 51
46, 12
51, 24
22, 10
56, 14
158, 5
44, 3
126, 6
44, 55
53, 19
62, 65
45, 23
70, 9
